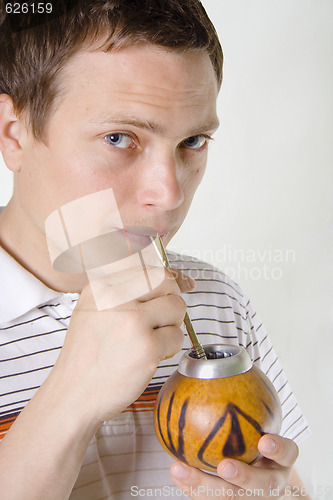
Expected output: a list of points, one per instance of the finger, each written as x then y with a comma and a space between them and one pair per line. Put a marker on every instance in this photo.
160, 284
281, 450
185, 283
200, 484
126, 286
260, 480
169, 341
282, 454
168, 310
237, 474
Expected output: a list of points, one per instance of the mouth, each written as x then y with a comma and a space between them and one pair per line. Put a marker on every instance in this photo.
139, 237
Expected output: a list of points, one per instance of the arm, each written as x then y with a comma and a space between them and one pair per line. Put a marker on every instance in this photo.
270, 477
41, 454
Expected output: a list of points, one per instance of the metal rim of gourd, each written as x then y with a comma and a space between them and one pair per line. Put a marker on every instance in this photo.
222, 361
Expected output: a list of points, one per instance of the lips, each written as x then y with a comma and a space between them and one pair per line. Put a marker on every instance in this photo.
139, 237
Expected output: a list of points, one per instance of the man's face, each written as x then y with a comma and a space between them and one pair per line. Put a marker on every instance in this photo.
137, 121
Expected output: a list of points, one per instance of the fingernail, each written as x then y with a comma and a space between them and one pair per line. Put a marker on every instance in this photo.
179, 471
269, 446
228, 470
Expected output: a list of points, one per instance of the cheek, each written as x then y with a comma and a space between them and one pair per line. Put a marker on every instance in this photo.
72, 177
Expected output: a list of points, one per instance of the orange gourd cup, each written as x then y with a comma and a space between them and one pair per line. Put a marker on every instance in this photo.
217, 408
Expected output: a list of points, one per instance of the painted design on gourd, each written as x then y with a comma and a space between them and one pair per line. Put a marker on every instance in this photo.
200, 422
234, 445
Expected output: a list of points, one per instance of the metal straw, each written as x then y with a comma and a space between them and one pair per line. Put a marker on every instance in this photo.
197, 348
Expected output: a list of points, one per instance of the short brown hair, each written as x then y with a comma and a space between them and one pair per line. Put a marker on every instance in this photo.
33, 55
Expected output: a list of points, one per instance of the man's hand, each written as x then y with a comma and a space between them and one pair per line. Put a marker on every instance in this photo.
110, 356
267, 479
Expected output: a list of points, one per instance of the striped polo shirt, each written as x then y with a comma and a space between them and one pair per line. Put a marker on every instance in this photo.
124, 459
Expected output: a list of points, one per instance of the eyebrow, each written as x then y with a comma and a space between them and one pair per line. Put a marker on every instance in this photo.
154, 126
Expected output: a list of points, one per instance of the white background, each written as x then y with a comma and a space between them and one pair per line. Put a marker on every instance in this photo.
264, 210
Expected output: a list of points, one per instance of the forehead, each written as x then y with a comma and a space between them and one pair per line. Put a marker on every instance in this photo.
143, 78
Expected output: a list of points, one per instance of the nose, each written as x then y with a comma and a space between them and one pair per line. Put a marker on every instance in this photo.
160, 183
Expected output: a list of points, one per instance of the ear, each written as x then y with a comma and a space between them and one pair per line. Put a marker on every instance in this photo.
10, 131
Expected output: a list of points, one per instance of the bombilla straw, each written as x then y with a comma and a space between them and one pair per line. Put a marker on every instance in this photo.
197, 349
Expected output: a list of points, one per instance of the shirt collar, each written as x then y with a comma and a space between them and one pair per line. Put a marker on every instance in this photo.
20, 291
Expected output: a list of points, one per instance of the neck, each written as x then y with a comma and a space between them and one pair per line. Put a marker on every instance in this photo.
26, 243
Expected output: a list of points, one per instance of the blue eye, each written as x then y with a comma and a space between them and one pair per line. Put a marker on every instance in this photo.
121, 141
195, 142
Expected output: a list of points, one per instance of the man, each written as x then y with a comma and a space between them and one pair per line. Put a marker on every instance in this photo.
122, 96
